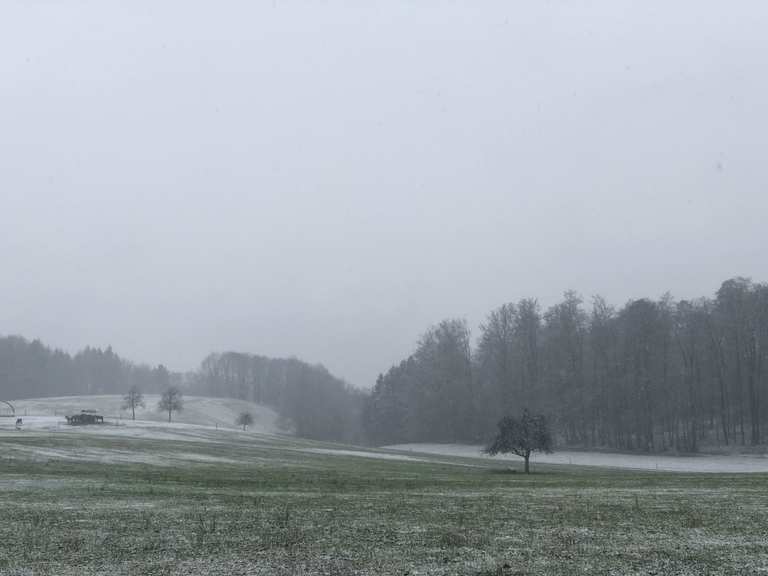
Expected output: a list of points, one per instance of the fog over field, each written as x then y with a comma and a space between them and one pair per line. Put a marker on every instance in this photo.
383, 288
325, 180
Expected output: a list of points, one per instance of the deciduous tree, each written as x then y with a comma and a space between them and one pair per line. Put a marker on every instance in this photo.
522, 437
133, 399
245, 419
171, 401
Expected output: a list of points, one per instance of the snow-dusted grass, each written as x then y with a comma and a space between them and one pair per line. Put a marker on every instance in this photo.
195, 500
694, 463
364, 454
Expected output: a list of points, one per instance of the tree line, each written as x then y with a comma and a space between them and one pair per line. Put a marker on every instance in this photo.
29, 369
652, 375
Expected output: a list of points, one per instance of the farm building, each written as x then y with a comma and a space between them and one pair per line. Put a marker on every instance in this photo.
84, 418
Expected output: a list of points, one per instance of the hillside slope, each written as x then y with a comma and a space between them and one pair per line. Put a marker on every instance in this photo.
198, 410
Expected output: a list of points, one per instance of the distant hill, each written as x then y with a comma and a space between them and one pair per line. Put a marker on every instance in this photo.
320, 405
197, 410
317, 404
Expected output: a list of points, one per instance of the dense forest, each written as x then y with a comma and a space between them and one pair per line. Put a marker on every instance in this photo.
652, 375
29, 369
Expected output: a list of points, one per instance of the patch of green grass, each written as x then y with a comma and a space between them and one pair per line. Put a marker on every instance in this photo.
274, 509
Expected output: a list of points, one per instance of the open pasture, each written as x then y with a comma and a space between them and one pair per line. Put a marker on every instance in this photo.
173, 500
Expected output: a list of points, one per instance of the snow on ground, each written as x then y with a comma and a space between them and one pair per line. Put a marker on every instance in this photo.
364, 454
202, 420
697, 463
110, 456
138, 429
379, 455
49, 413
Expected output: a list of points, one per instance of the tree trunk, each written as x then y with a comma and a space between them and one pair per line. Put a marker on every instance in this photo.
724, 402
740, 389
754, 401
527, 466
133, 411
169, 414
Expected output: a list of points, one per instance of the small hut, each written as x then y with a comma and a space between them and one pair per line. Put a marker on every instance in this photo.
85, 418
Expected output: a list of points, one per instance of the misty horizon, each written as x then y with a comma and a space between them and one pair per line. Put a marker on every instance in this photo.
474, 328
271, 190
383, 288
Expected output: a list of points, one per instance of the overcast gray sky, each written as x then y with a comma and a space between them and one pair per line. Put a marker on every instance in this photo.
327, 179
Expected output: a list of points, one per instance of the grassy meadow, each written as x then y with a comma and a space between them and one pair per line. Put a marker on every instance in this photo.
228, 503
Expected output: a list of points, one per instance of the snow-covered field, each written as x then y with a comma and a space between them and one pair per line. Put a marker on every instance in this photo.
363, 454
49, 413
697, 463
202, 420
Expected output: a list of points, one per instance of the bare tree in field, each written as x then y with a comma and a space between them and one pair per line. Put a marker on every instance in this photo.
133, 399
171, 401
245, 419
522, 437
